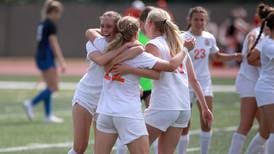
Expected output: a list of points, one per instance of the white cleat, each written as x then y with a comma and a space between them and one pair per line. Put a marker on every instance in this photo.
28, 110
53, 119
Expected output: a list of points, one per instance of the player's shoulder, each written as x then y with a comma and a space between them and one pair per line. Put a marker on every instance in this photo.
208, 35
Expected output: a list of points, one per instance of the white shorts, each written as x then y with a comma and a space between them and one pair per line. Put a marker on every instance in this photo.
127, 129
264, 97
245, 87
163, 119
86, 99
206, 86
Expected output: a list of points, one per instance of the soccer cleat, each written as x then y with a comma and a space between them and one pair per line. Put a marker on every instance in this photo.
28, 110
53, 119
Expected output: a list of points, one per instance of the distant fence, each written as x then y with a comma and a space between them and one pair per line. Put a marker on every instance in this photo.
18, 24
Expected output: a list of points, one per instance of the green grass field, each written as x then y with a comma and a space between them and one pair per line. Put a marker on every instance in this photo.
17, 132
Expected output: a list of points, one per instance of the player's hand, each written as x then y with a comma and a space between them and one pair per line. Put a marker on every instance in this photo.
120, 69
207, 117
63, 67
108, 68
131, 44
238, 57
190, 44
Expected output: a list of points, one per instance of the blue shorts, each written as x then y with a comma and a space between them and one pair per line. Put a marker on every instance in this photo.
45, 61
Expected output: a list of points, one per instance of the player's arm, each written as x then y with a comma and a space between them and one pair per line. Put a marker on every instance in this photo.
104, 59
129, 53
57, 51
220, 56
93, 33
163, 65
253, 55
207, 114
125, 69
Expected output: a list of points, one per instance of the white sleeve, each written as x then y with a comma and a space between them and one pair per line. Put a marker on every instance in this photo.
144, 60
214, 47
90, 48
100, 43
153, 42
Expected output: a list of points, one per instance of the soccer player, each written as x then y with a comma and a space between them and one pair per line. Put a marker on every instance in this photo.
48, 50
88, 90
245, 84
264, 89
206, 47
169, 109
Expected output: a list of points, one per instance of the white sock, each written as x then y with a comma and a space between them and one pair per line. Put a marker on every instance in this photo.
71, 151
183, 143
237, 143
155, 146
120, 148
205, 140
270, 147
256, 145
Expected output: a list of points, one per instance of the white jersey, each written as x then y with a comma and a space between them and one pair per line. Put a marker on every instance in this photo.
248, 71
120, 96
92, 81
205, 45
171, 91
266, 80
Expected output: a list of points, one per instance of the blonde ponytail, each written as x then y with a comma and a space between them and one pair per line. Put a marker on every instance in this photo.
163, 23
127, 28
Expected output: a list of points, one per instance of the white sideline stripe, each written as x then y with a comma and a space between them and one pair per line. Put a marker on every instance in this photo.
27, 85
69, 144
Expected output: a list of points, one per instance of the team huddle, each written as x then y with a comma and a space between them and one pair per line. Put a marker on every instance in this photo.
109, 94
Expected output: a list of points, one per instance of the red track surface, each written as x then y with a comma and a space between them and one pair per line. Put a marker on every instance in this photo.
76, 67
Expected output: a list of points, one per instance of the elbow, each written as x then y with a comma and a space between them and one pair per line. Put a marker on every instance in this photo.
87, 34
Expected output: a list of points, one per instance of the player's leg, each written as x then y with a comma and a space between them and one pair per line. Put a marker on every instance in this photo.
257, 144
51, 78
169, 140
268, 112
206, 134
106, 135
104, 142
43, 95
153, 132
82, 120
184, 139
248, 112
139, 146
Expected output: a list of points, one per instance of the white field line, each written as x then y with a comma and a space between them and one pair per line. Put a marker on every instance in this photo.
27, 85
69, 144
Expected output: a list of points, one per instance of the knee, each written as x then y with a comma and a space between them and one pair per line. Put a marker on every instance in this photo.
53, 88
206, 128
244, 128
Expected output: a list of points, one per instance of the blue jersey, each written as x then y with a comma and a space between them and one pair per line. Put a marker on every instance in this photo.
44, 53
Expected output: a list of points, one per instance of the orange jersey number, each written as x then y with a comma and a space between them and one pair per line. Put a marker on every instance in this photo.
116, 77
